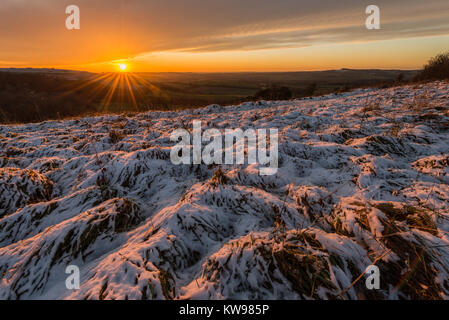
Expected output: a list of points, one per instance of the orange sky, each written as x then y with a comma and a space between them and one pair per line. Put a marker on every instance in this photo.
221, 36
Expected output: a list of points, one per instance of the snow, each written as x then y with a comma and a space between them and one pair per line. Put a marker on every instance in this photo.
362, 175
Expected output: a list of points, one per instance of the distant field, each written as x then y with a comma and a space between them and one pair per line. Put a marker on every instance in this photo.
237, 85
29, 95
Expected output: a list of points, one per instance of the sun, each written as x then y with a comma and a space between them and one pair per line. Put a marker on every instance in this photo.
122, 66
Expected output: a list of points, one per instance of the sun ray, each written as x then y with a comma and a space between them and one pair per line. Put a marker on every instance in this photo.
99, 87
148, 84
87, 83
107, 99
137, 86
121, 87
131, 93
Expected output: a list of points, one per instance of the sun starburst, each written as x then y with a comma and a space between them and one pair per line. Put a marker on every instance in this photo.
122, 89
122, 66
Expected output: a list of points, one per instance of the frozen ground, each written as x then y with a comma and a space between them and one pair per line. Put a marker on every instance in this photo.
363, 177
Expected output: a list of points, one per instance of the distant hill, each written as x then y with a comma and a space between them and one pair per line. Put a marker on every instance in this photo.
39, 70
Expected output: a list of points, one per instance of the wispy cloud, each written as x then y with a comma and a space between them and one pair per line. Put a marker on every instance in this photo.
114, 29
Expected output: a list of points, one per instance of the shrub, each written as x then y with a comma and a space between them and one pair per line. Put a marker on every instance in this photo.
116, 136
436, 69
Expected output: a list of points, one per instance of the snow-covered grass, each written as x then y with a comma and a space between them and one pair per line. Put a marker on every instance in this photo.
363, 177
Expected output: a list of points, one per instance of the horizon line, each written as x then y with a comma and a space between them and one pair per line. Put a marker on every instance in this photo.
211, 72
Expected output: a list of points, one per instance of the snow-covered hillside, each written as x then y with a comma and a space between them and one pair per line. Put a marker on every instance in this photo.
363, 177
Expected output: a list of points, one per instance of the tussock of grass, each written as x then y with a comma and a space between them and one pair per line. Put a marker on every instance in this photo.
116, 136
